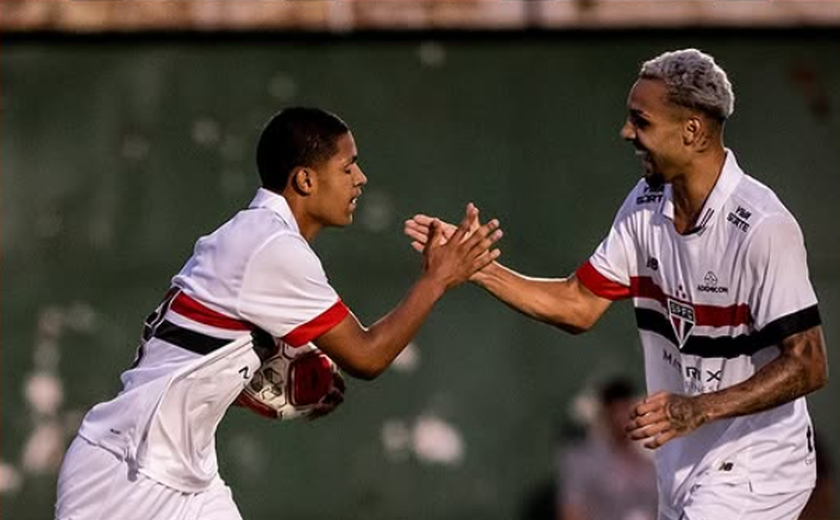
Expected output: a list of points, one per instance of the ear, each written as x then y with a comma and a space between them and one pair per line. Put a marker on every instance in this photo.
303, 181
693, 130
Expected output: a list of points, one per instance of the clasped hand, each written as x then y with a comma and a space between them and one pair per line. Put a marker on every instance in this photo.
470, 241
662, 417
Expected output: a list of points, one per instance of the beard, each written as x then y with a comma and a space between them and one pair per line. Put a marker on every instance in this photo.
654, 180
652, 176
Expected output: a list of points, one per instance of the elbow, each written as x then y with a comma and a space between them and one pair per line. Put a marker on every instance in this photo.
366, 370
576, 323
819, 370
820, 377
809, 346
814, 376
574, 330
364, 374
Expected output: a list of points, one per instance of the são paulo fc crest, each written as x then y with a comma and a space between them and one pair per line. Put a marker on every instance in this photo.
682, 319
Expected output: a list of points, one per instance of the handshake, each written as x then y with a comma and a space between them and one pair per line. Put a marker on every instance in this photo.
470, 243
303, 382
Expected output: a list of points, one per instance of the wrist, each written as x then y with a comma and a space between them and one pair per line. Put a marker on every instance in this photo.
702, 405
431, 286
482, 278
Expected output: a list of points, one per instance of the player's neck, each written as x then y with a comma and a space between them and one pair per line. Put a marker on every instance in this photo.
691, 189
307, 225
308, 228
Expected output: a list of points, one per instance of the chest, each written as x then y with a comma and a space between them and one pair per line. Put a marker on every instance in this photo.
704, 268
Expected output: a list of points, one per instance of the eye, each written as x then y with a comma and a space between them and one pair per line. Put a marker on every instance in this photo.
638, 121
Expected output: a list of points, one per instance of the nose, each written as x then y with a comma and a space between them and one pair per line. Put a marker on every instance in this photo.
361, 178
628, 133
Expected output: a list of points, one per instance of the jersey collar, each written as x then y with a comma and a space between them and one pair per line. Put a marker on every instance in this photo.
729, 178
276, 203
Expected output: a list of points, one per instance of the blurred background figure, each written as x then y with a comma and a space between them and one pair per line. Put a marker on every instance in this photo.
822, 502
607, 476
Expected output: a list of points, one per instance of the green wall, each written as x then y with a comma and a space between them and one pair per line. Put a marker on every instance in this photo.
117, 153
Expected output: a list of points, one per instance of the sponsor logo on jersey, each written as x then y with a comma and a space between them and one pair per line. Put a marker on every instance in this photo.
710, 284
697, 380
650, 195
739, 218
653, 264
682, 319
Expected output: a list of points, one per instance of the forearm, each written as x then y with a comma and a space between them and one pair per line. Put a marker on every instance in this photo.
385, 339
799, 370
555, 301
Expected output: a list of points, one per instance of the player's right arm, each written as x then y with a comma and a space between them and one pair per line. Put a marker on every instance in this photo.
365, 352
563, 302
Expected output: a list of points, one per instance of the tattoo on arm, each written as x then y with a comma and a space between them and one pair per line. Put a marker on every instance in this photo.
685, 414
799, 369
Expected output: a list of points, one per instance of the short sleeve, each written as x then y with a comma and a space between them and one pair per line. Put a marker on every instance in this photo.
781, 296
285, 291
607, 272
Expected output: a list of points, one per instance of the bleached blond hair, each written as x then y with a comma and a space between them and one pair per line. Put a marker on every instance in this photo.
693, 80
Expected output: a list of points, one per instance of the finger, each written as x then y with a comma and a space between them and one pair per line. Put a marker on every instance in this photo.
485, 236
648, 431
422, 220
483, 255
416, 236
643, 409
484, 231
647, 407
434, 235
488, 242
646, 420
470, 217
485, 259
660, 440
420, 230
474, 221
471, 211
464, 227
418, 246
416, 231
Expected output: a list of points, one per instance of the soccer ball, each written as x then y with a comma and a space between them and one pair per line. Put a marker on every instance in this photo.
293, 383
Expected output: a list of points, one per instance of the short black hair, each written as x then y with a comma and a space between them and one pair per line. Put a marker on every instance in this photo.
296, 136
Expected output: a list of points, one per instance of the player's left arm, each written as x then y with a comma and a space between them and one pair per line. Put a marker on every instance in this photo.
800, 369
785, 313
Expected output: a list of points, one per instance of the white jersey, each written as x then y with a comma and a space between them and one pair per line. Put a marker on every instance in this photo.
254, 273
711, 306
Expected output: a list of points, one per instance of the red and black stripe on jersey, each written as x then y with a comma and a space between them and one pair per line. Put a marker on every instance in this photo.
713, 316
178, 302
157, 326
730, 346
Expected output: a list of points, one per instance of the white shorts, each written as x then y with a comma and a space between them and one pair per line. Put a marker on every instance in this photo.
736, 501
95, 484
